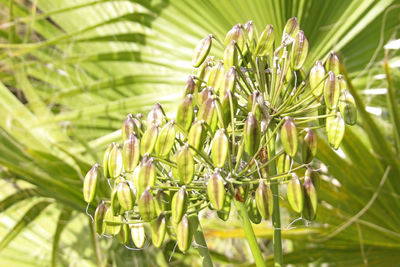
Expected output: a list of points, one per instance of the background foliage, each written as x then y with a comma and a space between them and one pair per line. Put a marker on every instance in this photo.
71, 70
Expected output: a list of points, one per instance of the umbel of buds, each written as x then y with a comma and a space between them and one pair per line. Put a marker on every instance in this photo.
262, 102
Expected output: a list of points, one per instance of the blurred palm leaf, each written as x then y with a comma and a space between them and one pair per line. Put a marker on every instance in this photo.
71, 70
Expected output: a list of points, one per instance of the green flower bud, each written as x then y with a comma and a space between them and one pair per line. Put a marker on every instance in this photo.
264, 200
283, 163
201, 51
190, 86
180, 202
146, 206
126, 196
290, 31
166, 139
184, 116
251, 134
123, 235
131, 153
229, 82
216, 191
309, 146
335, 129
105, 160
220, 148
230, 55
185, 165
115, 205
204, 95
129, 127
236, 34
162, 202
184, 234
266, 41
146, 175
331, 91
208, 112
115, 163
314, 176
252, 104
138, 235
347, 107
317, 74
289, 137
155, 116
149, 139
333, 63
310, 200
295, 194
196, 135
226, 106
216, 76
252, 211
158, 229
90, 183
223, 214
299, 51
113, 225
99, 214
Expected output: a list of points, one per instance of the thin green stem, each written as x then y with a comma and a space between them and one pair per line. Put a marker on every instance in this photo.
250, 236
201, 241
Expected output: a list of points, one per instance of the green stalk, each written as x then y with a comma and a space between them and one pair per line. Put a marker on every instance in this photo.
201, 241
276, 217
250, 236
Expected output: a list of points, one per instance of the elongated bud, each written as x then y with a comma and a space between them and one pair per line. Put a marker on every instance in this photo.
184, 116
113, 223
149, 139
333, 63
289, 137
115, 206
204, 95
90, 183
290, 31
309, 146
180, 202
249, 30
236, 34
99, 214
335, 129
105, 160
347, 107
264, 200
216, 191
196, 135
283, 163
314, 176
266, 41
190, 86
128, 127
331, 91
166, 139
123, 235
146, 206
295, 194
146, 175
162, 202
184, 234
310, 200
299, 51
207, 111
251, 134
317, 75
230, 55
226, 106
138, 235
185, 165
220, 148
131, 153
201, 51
252, 104
216, 77
229, 82
223, 214
115, 162
126, 196
155, 115
158, 229
252, 211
